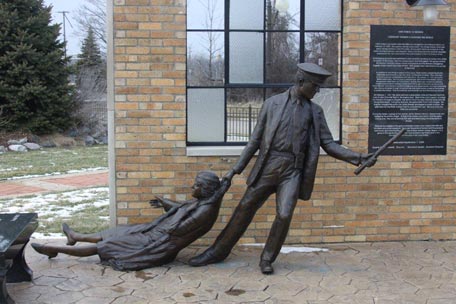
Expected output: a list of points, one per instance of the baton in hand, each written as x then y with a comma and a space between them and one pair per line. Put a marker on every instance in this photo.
380, 151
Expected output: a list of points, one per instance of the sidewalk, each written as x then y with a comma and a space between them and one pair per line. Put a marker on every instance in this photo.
358, 273
45, 184
361, 273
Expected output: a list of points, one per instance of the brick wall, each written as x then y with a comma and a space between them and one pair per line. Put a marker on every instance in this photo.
401, 198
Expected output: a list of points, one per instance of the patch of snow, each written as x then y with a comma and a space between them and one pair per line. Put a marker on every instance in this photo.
45, 204
39, 235
288, 249
102, 203
87, 170
9, 169
33, 176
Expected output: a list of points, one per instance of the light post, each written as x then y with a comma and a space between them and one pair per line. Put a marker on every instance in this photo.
430, 13
282, 6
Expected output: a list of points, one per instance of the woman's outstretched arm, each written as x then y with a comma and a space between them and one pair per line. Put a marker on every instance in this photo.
166, 203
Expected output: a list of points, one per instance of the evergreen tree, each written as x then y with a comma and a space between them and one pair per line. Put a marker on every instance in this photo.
90, 52
91, 70
34, 90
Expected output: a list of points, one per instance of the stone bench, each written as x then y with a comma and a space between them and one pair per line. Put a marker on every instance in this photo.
15, 232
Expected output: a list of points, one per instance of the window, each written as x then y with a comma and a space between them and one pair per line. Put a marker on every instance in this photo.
241, 52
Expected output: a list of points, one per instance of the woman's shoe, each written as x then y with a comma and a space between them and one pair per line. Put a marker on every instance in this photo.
43, 249
67, 231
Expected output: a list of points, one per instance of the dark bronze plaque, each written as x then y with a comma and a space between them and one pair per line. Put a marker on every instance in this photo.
15, 227
409, 68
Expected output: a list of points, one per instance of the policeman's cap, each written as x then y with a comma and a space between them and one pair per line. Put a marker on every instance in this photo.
313, 72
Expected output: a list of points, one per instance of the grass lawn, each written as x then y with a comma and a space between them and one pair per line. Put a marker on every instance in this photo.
52, 161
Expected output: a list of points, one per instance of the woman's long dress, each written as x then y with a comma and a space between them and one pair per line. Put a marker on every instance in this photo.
140, 246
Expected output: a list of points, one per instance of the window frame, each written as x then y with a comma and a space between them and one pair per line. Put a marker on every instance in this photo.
264, 86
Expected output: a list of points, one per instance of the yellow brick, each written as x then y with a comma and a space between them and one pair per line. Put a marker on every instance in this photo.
163, 174
355, 238
174, 136
125, 74
162, 82
126, 106
139, 175
150, 26
421, 208
137, 50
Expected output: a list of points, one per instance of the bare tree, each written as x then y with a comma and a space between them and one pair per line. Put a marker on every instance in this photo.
91, 84
212, 48
323, 49
207, 67
92, 14
282, 48
91, 93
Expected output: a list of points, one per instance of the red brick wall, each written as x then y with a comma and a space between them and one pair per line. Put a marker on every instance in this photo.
401, 198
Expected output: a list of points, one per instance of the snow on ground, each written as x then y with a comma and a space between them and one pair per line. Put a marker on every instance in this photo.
9, 169
45, 204
288, 249
87, 170
58, 205
40, 236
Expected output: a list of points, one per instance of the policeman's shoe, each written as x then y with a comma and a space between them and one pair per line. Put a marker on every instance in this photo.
266, 267
205, 258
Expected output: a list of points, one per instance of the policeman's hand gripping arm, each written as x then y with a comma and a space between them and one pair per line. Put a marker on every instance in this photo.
229, 175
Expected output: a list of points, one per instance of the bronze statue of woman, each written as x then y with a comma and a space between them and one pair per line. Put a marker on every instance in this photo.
135, 247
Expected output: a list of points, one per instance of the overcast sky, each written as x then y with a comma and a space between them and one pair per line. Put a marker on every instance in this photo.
73, 41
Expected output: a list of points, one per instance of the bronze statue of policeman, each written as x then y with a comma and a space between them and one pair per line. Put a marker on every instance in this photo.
289, 133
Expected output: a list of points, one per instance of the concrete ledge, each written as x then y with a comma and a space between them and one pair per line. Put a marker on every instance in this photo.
215, 151
221, 151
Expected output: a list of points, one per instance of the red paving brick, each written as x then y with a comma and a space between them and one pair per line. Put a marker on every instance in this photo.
25, 187
10, 188
89, 180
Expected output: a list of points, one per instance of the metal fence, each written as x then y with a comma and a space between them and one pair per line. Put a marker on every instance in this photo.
94, 114
240, 122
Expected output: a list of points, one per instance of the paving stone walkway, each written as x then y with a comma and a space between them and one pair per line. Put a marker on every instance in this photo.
359, 273
45, 184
